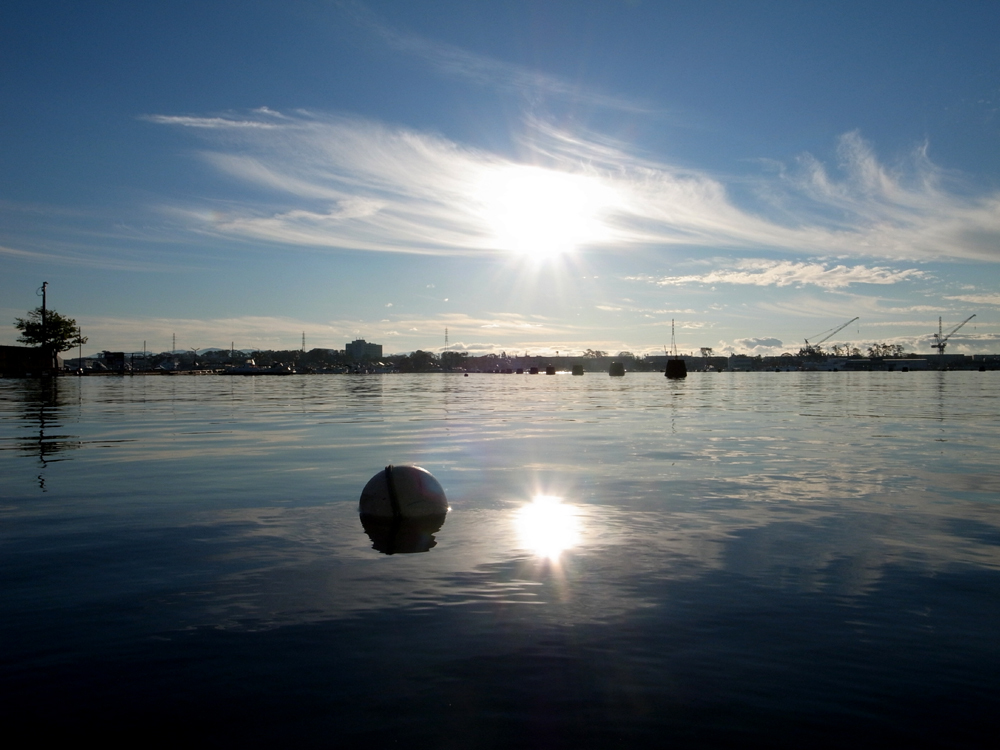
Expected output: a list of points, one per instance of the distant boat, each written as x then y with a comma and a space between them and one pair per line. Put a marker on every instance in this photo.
617, 370
676, 367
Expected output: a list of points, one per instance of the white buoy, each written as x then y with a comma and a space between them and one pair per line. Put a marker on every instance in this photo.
403, 492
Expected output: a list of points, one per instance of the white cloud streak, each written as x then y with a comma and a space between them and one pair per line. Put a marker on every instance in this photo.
212, 123
69, 259
978, 299
13, 252
488, 72
758, 272
344, 183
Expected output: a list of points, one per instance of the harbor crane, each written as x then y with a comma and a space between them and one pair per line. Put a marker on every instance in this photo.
942, 338
829, 334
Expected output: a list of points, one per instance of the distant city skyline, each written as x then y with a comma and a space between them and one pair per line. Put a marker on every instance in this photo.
529, 176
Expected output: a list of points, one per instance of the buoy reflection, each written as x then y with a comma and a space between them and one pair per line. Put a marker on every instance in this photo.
547, 526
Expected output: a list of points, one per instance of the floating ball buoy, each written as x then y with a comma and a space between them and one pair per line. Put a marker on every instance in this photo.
676, 369
403, 492
401, 508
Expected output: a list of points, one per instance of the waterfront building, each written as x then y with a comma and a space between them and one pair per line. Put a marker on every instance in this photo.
360, 350
23, 361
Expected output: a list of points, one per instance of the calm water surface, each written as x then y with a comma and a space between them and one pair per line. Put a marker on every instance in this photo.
789, 558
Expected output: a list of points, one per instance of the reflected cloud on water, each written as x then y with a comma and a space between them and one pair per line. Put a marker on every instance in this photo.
587, 561
807, 489
762, 542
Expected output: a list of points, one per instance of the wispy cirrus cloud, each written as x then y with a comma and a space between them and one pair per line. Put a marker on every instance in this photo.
83, 259
978, 299
489, 72
13, 252
211, 123
916, 309
348, 183
915, 209
647, 311
758, 272
84, 236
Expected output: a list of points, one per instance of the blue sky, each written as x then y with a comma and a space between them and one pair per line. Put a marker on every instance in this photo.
532, 176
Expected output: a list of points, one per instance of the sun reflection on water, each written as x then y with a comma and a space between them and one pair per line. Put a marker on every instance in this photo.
547, 526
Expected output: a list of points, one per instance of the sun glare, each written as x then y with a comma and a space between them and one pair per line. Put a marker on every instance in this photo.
548, 527
540, 212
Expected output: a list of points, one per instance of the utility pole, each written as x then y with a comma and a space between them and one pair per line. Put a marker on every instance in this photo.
446, 337
45, 329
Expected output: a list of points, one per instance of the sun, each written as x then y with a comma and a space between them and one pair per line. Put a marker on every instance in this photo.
542, 212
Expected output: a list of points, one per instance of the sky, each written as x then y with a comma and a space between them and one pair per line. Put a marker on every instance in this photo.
531, 177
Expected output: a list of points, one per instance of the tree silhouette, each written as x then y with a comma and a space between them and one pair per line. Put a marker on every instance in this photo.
885, 350
53, 331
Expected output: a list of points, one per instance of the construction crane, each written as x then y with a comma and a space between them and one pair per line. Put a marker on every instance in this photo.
815, 346
942, 338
